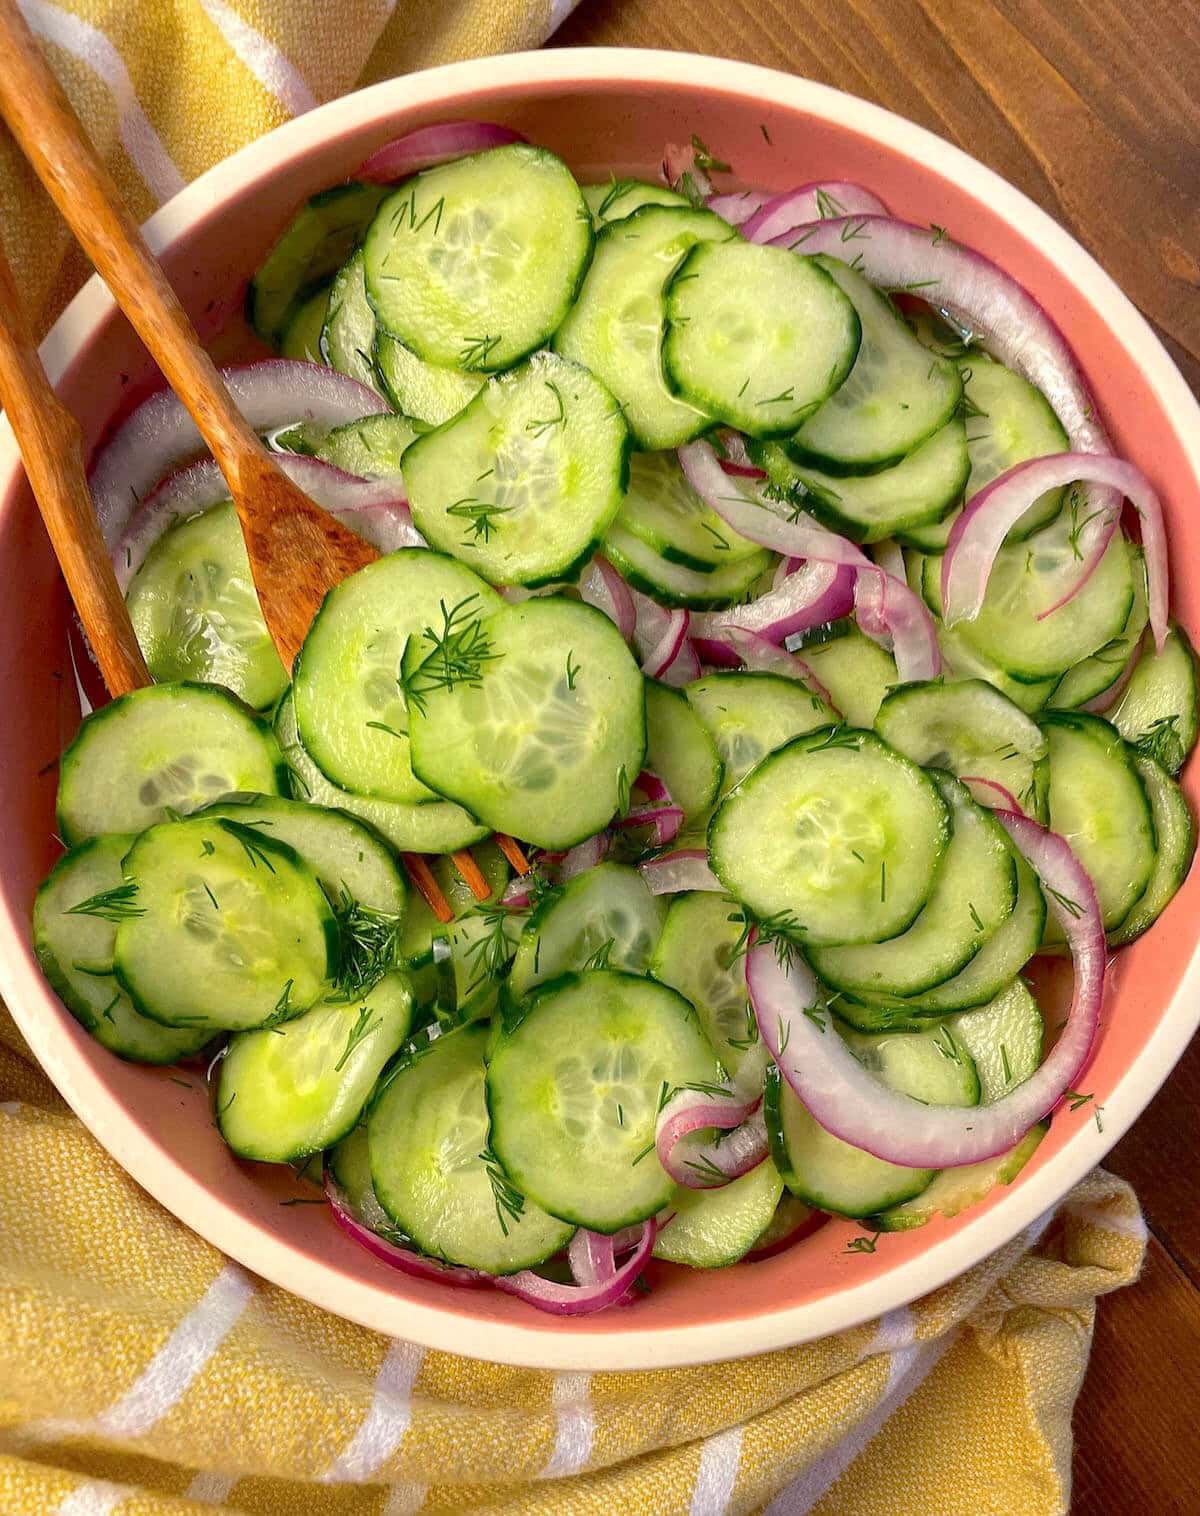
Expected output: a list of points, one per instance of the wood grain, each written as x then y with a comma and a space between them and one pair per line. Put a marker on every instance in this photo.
1094, 111
297, 551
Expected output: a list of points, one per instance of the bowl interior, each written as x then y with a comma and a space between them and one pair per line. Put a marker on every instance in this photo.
601, 112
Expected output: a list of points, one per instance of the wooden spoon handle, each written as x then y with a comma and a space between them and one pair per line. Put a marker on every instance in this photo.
52, 448
49, 133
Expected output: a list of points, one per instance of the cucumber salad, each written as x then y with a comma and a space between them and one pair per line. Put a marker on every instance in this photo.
766, 656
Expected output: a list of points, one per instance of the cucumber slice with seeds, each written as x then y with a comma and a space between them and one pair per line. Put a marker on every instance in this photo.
680, 751
896, 395
547, 738
163, 748
973, 894
749, 715
755, 336
698, 955
616, 326
434, 827
835, 836
225, 927
971, 729
605, 917
664, 510
712, 1228
196, 614
1175, 838
348, 336
370, 448
350, 710
473, 264
523, 483
671, 583
292, 1090
432, 1169
424, 391
75, 951
1004, 1038
312, 248
1157, 711
574, 1087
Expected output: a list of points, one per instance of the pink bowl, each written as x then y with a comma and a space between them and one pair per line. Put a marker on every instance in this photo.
600, 109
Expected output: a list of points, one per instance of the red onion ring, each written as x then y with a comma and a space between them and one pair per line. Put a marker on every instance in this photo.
737, 1111
400, 1258
737, 206
991, 793
759, 654
665, 819
654, 788
579, 1299
159, 436
684, 869
583, 856
887, 608
889, 556
797, 208
603, 586
1106, 699
431, 145
679, 160
850, 1103
663, 652
377, 509
979, 532
816, 593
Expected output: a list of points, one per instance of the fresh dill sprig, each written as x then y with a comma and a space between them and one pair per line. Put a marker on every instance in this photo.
1005, 1064
282, 1011
368, 946
829, 207
573, 670
540, 428
782, 929
704, 1167
481, 514
250, 844
460, 650
1072, 907
476, 351
1075, 1099
1162, 742
622, 791
116, 904
508, 1199
361, 1029
600, 958
382, 726
975, 916
704, 159
862, 1244
617, 190
490, 953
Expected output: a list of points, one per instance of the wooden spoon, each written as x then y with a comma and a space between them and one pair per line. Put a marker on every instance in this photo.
297, 551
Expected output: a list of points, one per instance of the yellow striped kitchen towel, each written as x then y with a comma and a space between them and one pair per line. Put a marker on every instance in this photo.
142, 1372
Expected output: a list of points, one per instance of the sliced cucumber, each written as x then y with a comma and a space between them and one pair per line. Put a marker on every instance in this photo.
756, 337
664, 510
1007, 421
619, 198
426, 392
955, 1189
671, 583
473, 264
616, 327
1086, 680
697, 954
966, 662
163, 748
292, 1090
421, 926
749, 715
712, 1228
437, 827
223, 927
370, 448
921, 488
433, 1170
605, 917
973, 730
1157, 712
1175, 839
302, 337
1098, 803
574, 1088
828, 1173
346, 856
855, 672
895, 396
75, 950
1004, 1038
523, 483
196, 614
836, 837
314, 246
349, 1164
350, 710
973, 894
680, 751
481, 942
546, 741
348, 336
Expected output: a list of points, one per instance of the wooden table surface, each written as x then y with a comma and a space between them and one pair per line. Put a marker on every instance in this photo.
1094, 111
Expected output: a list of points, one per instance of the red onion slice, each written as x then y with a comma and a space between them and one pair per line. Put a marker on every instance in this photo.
580, 1299
991, 793
684, 869
816, 593
889, 555
758, 654
737, 206
979, 532
798, 207
888, 609
665, 819
159, 436
431, 145
654, 788
851, 1104
1106, 699
680, 160
400, 1258
734, 1108
583, 856
377, 509
666, 648
603, 586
